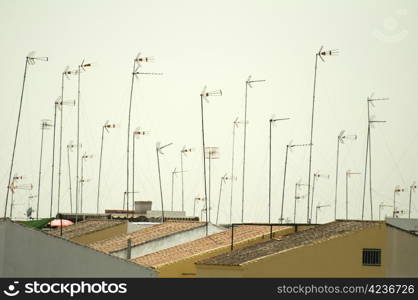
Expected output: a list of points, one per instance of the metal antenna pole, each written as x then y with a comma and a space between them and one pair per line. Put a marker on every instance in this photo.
204, 160
123, 205
81, 185
310, 146
129, 133
346, 195
370, 100
219, 200
243, 159
161, 188
11, 206
60, 143
370, 165
411, 189
336, 179
40, 172
397, 190
69, 178
182, 181
53, 159
133, 174
409, 207
209, 186
313, 193
100, 171
203, 95
172, 189
234, 124
16, 134
248, 82
394, 209
284, 183
78, 144
365, 172
321, 53
296, 198
270, 124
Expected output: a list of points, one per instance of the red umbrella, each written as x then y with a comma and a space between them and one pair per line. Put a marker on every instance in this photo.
58, 222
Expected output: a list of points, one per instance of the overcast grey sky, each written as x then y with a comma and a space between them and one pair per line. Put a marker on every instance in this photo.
218, 44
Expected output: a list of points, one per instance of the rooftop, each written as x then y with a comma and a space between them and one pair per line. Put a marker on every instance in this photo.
84, 227
297, 239
205, 244
141, 236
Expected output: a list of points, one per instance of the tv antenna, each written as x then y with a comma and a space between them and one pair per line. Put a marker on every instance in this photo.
248, 83
183, 152
81, 68
65, 74
272, 122
174, 174
204, 96
290, 147
137, 64
412, 188
396, 191
45, 125
197, 199
30, 60
342, 137
321, 54
106, 126
298, 187
348, 173
235, 124
318, 208
158, 150
317, 175
224, 178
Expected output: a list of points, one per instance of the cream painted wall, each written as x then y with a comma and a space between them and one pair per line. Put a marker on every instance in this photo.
187, 267
338, 257
100, 235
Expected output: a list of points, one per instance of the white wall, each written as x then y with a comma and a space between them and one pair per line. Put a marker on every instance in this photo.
168, 241
27, 252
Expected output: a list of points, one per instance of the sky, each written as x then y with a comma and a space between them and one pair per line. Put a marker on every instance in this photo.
218, 44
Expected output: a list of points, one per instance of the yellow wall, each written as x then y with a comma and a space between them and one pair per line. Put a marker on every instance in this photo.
100, 235
337, 257
186, 268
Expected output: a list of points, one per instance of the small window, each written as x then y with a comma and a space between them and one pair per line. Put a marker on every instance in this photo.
372, 257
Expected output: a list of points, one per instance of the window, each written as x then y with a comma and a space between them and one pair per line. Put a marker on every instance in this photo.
372, 257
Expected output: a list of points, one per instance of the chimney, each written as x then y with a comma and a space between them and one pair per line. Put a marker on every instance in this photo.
141, 207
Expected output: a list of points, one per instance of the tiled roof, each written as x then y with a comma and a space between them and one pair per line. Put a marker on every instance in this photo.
120, 241
84, 227
205, 244
297, 239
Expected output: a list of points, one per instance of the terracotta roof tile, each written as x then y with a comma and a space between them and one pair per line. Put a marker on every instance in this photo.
84, 227
205, 244
120, 241
297, 239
